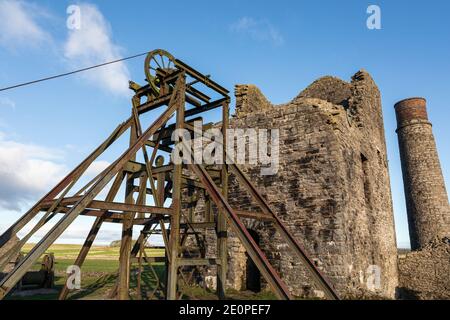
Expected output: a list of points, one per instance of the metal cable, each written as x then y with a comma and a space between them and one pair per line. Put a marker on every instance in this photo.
72, 72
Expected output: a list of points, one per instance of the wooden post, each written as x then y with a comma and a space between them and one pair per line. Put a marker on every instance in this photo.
127, 228
160, 180
222, 249
174, 241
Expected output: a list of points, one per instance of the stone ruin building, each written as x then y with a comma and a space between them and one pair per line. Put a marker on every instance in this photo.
332, 190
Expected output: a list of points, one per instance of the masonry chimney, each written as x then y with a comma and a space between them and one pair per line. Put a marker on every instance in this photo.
426, 198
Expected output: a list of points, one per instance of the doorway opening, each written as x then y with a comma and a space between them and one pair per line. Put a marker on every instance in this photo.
253, 276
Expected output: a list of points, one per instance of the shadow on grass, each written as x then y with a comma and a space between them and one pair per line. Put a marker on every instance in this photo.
152, 282
96, 289
98, 285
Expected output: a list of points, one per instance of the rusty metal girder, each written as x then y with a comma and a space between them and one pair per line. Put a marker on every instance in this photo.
258, 257
298, 249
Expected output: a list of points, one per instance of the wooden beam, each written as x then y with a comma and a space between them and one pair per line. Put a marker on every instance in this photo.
107, 216
198, 262
222, 229
198, 94
137, 167
153, 104
150, 259
253, 215
201, 77
160, 147
205, 107
112, 206
198, 225
174, 240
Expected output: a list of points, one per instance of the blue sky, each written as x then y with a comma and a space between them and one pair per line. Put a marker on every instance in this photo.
281, 46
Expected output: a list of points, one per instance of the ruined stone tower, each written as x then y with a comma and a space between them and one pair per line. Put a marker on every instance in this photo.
331, 190
426, 197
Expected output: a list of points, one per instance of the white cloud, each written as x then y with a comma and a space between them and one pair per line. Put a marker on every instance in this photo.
259, 30
93, 44
6, 102
96, 167
19, 24
75, 233
27, 171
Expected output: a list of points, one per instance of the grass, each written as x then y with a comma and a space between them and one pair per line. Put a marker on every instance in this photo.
70, 251
99, 275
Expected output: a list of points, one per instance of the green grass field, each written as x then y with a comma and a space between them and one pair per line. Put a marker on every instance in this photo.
70, 251
99, 274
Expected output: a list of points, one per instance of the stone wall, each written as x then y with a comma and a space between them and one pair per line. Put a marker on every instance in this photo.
425, 274
332, 188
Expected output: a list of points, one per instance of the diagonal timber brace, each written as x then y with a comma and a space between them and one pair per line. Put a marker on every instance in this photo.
30, 214
17, 273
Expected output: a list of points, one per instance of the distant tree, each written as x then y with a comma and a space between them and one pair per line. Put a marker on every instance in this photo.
116, 243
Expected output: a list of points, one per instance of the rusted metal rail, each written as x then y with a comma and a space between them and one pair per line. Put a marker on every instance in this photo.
298, 249
258, 257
